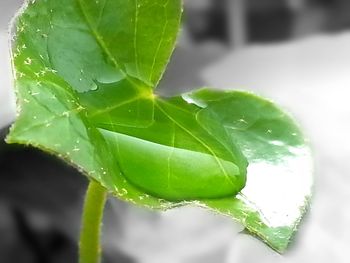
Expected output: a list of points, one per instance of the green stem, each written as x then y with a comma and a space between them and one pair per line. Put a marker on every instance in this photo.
90, 235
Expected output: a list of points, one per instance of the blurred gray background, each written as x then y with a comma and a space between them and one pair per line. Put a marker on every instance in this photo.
296, 52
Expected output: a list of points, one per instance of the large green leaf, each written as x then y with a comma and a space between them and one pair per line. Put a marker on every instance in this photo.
85, 73
279, 179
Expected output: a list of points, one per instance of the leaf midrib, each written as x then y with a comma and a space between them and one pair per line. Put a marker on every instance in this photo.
105, 49
217, 159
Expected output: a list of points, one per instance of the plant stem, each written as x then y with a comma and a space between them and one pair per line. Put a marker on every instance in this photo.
90, 235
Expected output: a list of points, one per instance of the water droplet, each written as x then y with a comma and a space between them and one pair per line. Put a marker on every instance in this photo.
277, 143
80, 108
21, 28
76, 149
98, 176
243, 121
109, 76
20, 74
65, 114
34, 93
94, 87
190, 100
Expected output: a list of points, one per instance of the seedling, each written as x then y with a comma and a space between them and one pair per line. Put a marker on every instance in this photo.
85, 76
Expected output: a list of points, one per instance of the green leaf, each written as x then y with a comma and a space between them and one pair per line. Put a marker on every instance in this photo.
279, 179
85, 74
181, 156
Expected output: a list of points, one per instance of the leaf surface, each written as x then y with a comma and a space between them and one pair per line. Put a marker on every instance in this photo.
85, 74
280, 171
